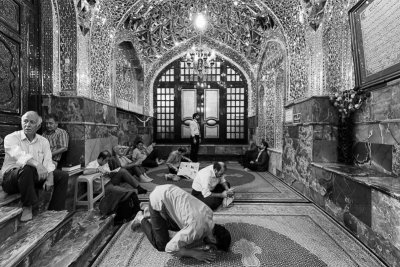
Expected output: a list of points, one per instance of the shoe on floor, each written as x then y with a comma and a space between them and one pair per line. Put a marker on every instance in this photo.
137, 220
227, 202
247, 169
26, 214
145, 179
141, 190
146, 212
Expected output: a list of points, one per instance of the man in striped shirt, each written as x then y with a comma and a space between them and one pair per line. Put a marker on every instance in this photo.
58, 138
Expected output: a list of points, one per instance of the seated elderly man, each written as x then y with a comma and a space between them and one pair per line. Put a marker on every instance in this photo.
260, 164
146, 156
117, 176
210, 186
133, 168
172, 208
28, 166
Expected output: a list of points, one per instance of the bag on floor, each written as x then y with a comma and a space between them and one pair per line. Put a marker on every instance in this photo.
127, 209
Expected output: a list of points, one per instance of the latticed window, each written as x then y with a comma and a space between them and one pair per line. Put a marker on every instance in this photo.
235, 113
165, 113
220, 99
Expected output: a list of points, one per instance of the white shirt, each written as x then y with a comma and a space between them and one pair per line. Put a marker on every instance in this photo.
19, 150
205, 181
194, 128
95, 164
193, 217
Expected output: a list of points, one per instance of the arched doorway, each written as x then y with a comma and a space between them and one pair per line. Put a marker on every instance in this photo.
220, 99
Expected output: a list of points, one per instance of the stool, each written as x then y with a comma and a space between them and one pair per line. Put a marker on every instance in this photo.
88, 179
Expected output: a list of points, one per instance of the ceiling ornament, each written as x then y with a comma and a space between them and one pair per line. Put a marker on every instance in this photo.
159, 27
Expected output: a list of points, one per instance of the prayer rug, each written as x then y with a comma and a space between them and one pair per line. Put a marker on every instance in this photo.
249, 186
266, 234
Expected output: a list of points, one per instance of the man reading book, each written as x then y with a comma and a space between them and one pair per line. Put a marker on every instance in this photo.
116, 176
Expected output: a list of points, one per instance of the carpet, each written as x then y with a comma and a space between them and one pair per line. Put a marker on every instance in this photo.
266, 234
250, 186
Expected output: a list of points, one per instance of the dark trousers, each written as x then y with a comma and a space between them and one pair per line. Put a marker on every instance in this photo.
25, 181
212, 202
157, 230
135, 170
194, 148
151, 159
123, 176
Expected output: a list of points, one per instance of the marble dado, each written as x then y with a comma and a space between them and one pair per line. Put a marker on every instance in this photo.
79, 109
316, 109
365, 201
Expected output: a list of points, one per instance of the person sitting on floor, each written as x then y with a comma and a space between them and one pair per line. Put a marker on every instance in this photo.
128, 164
172, 208
116, 176
146, 156
28, 166
173, 162
211, 187
260, 164
250, 154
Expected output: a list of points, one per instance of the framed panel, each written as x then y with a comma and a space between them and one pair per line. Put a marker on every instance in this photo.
211, 102
10, 14
188, 103
375, 28
211, 131
10, 87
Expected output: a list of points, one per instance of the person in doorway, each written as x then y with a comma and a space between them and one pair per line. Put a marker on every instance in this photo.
195, 137
146, 156
172, 208
116, 176
260, 164
211, 187
174, 160
28, 166
58, 138
133, 168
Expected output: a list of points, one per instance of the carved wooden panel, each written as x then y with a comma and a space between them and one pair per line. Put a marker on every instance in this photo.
9, 13
9, 75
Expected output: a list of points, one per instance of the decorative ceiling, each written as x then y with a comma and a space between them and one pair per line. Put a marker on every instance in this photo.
160, 26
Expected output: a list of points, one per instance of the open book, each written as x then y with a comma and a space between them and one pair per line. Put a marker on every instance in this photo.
188, 169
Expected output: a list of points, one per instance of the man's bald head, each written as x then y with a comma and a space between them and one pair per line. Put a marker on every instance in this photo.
30, 123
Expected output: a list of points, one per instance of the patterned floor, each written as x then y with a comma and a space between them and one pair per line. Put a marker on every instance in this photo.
257, 186
280, 234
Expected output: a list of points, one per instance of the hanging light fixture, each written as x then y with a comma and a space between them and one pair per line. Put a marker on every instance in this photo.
200, 58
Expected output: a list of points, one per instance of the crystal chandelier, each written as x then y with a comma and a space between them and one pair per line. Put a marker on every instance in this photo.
200, 59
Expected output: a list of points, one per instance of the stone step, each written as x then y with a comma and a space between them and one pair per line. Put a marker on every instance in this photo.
78, 247
8, 221
6, 199
31, 237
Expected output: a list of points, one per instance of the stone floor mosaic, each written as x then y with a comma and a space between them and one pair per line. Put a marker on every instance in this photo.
259, 186
266, 234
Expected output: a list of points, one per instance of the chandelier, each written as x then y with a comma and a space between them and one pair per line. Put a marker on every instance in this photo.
200, 59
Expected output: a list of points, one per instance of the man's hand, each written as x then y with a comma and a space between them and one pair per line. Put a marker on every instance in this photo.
206, 256
42, 172
49, 182
194, 141
252, 162
224, 194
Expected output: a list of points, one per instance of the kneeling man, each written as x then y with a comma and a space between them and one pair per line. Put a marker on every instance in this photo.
172, 208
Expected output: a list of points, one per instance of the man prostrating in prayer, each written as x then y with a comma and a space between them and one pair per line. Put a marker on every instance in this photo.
172, 208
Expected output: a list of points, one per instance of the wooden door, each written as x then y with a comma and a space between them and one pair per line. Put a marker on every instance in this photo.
19, 43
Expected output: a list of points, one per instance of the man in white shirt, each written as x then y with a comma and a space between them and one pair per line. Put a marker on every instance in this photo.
172, 208
28, 166
210, 185
195, 139
117, 176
